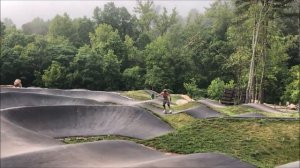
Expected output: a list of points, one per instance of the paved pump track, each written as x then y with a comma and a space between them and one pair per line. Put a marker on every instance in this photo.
32, 120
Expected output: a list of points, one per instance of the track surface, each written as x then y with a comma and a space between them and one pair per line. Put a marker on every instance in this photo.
116, 154
31, 119
65, 121
17, 99
203, 112
291, 165
262, 107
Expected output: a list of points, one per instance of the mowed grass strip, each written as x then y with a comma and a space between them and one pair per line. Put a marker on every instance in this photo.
137, 95
238, 109
264, 143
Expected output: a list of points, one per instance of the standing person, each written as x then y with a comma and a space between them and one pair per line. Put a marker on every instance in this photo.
166, 100
18, 83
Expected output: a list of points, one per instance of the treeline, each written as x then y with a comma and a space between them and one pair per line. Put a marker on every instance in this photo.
249, 45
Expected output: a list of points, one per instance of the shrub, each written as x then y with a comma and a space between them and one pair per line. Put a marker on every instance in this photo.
192, 89
215, 89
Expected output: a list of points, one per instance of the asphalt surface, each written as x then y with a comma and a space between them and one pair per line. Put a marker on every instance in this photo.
203, 112
32, 120
211, 103
116, 154
262, 107
100, 96
66, 121
19, 99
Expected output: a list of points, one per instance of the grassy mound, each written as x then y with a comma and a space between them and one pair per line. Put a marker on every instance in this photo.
264, 143
261, 142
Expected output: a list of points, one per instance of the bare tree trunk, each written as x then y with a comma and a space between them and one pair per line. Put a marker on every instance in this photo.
256, 87
264, 57
265, 51
250, 90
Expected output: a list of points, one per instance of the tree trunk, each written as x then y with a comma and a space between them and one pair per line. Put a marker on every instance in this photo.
265, 52
264, 58
250, 90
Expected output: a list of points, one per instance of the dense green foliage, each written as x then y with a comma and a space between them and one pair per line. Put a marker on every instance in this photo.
118, 50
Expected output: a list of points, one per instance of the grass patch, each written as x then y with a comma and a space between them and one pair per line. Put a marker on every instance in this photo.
281, 115
261, 142
235, 110
137, 95
80, 139
185, 106
264, 143
176, 97
179, 120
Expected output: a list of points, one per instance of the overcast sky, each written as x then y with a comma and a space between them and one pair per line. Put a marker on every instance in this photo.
24, 11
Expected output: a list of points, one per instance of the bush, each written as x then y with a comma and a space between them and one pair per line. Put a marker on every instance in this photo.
215, 89
292, 91
192, 89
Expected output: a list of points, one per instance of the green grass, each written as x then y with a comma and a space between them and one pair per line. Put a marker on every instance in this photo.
281, 115
185, 106
235, 110
176, 97
264, 143
80, 139
179, 120
261, 142
137, 95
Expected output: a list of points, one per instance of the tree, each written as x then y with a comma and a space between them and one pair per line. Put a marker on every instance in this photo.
292, 91
118, 18
9, 24
163, 22
106, 38
207, 44
159, 70
2, 31
36, 26
135, 56
146, 13
192, 89
13, 64
55, 76
63, 26
133, 78
87, 70
83, 27
257, 18
111, 69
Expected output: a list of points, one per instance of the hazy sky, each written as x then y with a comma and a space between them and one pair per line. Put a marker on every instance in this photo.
24, 11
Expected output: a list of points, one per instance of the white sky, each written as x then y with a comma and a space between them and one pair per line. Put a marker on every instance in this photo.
24, 11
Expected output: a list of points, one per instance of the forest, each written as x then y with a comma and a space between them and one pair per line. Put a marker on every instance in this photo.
251, 46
